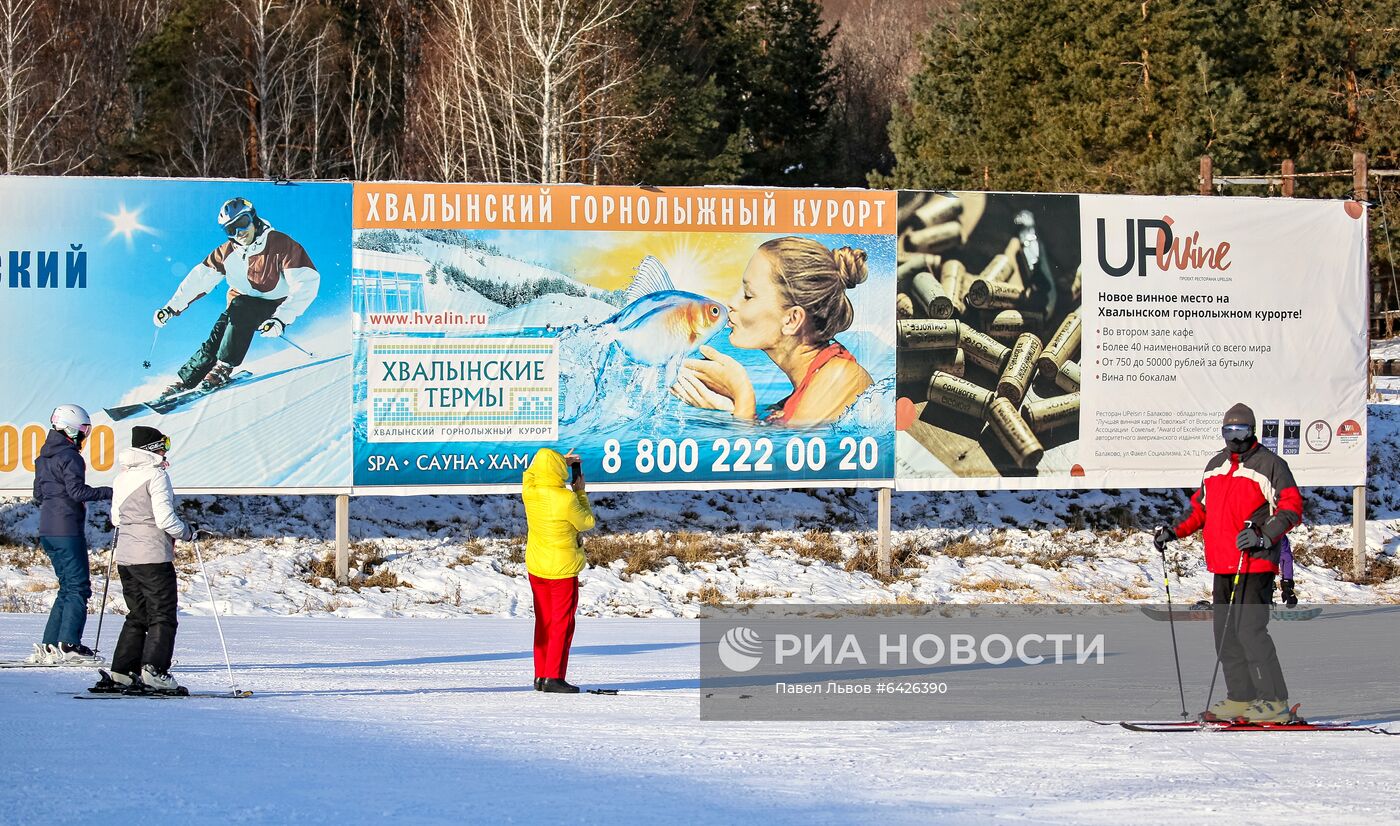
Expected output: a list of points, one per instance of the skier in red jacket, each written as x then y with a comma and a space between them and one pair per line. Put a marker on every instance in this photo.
1247, 502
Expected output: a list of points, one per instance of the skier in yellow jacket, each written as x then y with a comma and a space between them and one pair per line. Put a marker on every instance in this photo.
556, 510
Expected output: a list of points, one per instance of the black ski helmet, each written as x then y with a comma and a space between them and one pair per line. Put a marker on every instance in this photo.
237, 214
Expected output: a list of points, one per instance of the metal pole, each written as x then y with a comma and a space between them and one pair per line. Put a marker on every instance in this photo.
1358, 532
884, 522
342, 538
1358, 493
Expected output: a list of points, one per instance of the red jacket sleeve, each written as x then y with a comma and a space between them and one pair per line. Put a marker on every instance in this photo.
1196, 518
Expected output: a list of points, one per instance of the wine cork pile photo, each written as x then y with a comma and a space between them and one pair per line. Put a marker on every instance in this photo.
988, 309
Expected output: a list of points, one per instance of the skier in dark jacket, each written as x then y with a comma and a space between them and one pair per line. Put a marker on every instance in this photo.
60, 486
1247, 502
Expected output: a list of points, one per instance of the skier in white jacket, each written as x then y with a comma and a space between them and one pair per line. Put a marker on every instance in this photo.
143, 509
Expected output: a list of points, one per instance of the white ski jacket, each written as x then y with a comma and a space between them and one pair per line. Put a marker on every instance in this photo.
143, 508
273, 267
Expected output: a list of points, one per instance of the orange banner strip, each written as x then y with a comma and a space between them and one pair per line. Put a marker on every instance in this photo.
620, 208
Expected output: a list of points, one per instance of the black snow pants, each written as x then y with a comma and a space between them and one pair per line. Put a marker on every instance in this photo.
1247, 653
148, 635
230, 336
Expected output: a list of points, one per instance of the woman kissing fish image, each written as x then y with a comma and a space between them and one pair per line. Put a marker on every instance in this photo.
791, 304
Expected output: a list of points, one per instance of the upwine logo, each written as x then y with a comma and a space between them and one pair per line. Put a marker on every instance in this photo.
740, 649
1153, 239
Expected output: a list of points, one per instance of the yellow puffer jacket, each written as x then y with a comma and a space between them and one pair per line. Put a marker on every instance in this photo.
554, 515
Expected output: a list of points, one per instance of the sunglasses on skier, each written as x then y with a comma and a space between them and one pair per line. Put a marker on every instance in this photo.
238, 224
1237, 432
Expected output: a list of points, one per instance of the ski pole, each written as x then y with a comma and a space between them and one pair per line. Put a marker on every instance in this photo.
283, 338
215, 608
1235, 589
147, 363
1171, 623
107, 580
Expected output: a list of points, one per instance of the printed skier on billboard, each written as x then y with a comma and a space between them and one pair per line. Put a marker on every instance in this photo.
271, 281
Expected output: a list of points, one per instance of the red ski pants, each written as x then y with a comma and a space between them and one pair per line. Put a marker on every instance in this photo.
556, 601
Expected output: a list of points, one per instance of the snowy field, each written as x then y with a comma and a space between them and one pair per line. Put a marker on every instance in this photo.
432, 721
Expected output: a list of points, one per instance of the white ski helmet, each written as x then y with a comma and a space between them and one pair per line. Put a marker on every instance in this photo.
71, 419
237, 214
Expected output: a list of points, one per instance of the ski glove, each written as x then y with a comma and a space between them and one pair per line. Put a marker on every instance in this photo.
272, 328
188, 533
164, 314
1252, 540
1161, 537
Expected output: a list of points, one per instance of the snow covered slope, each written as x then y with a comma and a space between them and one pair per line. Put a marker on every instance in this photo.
411, 721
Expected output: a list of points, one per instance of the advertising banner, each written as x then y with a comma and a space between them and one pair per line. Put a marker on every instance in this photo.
673, 338
214, 311
1059, 341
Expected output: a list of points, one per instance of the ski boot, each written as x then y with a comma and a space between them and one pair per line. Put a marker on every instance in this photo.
156, 682
173, 389
41, 655
77, 654
552, 685
113, 683
1227, 710
1287, 594
1269, 711
539, 683
217, 376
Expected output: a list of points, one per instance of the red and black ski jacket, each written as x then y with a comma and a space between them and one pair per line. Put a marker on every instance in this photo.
1255, 486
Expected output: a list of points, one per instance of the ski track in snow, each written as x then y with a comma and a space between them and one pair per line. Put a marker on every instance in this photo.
422, 721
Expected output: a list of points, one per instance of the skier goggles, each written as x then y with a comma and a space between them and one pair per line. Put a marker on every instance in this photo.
161, 445
1237, 432
238, 224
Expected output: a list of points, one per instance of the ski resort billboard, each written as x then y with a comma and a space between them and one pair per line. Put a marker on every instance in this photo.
674, 338
1062, 341
216, 311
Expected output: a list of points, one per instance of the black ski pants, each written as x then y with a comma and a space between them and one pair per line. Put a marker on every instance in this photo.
1247, 653
230, 336
148, 635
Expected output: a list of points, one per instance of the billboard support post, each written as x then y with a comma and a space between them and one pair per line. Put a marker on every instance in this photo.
342, 539
884, 527
1358, 493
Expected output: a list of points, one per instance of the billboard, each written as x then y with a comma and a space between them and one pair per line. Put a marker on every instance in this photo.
674, 338
130, 298
1059, 341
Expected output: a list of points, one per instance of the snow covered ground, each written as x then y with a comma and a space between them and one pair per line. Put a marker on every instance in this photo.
431, 721
662, 554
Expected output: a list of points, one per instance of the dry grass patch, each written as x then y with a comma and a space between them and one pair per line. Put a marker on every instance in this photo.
821, 546
709, 594
904, 557
1055, 558
989, 585
1379, 569
642, 552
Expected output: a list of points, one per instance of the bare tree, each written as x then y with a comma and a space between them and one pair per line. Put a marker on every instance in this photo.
39, 75
270, 53
525, 90
204, 115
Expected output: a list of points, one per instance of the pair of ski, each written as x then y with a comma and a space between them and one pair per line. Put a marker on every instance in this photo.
1295, 724
27, 664
183, 693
